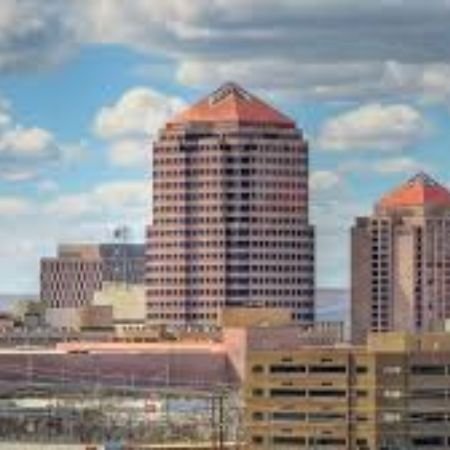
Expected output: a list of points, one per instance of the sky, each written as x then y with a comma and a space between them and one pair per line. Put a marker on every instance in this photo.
85, 85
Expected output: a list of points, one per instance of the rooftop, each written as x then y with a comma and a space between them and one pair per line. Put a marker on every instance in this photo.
232, 103
420, 190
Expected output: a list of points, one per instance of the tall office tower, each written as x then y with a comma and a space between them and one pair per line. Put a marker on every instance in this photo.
230, 213
401, 261
70, 279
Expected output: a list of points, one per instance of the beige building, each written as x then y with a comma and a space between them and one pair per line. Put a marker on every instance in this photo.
401, 261
230, 213
128, 306
391, 394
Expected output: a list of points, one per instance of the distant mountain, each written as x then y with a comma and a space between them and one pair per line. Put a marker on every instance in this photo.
332, 304
7, 301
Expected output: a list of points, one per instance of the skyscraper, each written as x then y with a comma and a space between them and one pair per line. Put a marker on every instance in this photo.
401, 261
230, 213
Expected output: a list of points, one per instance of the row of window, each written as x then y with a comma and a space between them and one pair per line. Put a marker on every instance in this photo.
230, 159
284, 392
241, 281
183, 186
302, 368
273, 220
233, 244
237, 269
296, 416
219, 303
330, 442
237, 256
287, 292
182, 316
294, 207
231, 232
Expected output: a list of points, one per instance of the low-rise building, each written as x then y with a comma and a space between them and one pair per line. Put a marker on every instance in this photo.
392, 393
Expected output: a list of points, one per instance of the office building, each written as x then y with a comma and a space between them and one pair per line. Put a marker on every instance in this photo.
230, 213
69, 280
401, 261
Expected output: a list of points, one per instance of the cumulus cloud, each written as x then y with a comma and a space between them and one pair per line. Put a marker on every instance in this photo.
132, 122
25, 151
130, 153
33, 143
139, 111
113, 198
324, 180
373, 127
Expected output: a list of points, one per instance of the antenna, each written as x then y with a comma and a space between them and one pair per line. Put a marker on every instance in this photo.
121, 267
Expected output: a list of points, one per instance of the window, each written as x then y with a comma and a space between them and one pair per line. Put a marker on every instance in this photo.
258, 392
392, 370
280, 392
327, 393
327, 441
428, 370
326, 417
289, 440
390, 417
258, 416
288, 416
432, 441
278, 368
257, 369
392, 393
327, 369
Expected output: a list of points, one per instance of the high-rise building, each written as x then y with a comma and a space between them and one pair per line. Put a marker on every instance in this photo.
401, 261
70, 279
230, 213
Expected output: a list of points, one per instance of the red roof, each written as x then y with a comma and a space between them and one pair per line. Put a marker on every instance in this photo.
231, 103
420, 190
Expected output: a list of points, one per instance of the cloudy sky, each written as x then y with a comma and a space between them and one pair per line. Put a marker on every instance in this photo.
84, 85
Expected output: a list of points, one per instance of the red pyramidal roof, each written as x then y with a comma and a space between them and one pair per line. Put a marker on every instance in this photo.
421, 190
231, 103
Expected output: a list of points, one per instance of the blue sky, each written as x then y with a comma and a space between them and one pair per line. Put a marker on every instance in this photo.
84, 87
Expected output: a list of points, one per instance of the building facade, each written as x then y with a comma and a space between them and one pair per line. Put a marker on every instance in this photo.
230, 213
389, 395
401, 261
70, 279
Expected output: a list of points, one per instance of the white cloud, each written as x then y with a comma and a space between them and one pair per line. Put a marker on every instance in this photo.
112, 198
373, 127
140, 111
26, 151
14, 206
27, 142
323, 180
130, 153
399, 165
